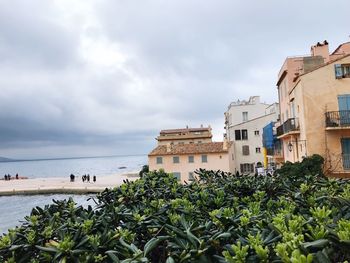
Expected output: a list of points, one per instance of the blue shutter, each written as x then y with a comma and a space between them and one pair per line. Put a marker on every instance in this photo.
345, 145
344, 102
344, 109
338, 71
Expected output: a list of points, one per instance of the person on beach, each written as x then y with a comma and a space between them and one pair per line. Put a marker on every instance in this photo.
88, 178
9, 177
83, 178
94, 178
16, 176
72, 177
5, 177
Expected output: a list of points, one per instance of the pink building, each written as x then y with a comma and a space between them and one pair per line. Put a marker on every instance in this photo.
182, 151
314, 97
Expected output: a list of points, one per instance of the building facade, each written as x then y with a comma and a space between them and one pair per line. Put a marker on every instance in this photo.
183, 151
314, 96
244, 122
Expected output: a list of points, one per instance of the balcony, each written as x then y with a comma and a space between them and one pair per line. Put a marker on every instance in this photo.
288, 127
338, 120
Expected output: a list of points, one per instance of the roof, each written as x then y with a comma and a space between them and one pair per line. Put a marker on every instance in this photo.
325, 64
336, 50
321, 66
190, 148
171, 131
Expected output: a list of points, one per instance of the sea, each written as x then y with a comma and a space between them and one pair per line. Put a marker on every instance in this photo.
15, 208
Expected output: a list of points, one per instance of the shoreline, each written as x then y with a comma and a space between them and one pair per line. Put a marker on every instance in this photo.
60, 185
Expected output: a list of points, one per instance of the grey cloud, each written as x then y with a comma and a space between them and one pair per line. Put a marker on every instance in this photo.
184, 62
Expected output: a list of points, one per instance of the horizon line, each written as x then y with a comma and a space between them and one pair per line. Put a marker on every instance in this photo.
67, 158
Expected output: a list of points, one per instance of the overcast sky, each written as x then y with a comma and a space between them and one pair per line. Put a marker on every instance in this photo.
99, 77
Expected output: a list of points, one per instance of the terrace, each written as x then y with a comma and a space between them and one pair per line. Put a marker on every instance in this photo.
336, 120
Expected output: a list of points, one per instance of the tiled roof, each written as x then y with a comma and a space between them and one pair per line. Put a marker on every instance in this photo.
183, 130
190, 148
325, 64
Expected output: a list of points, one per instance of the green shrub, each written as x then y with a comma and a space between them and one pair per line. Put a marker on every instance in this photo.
217, 218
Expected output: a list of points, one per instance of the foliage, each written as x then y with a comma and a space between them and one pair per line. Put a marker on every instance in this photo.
144, 170
217, 218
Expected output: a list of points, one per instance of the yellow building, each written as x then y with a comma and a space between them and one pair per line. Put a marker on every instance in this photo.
314, 96
182, 151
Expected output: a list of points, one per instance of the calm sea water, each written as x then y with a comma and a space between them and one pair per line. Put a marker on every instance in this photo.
15, 208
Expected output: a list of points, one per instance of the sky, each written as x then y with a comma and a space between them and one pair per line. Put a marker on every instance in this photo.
103, 77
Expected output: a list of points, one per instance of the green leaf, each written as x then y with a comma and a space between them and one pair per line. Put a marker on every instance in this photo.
151, 244
48, 249
113, 257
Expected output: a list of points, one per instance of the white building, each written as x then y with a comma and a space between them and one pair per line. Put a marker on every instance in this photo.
244, 122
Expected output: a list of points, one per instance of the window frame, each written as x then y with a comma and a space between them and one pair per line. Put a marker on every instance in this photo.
244, 134
176, 158
204, 158
245, 150
177, 175
238, 135
191, 159
244, 116
191, 176
159, 158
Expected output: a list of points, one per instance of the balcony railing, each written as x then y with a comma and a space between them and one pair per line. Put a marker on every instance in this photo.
338, 118
346, 161
289, 125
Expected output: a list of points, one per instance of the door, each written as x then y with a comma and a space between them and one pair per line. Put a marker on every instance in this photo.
344, 109
345, 145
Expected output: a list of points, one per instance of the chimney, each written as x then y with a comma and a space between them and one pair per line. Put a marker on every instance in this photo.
225, 142
321, 49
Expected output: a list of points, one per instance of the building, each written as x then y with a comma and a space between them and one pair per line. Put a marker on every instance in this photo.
272, 146
187, 135
314, 97
244, 122
183, 151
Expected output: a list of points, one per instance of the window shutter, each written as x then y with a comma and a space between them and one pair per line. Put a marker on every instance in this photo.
245, 149
237, 135
244, 134
338, 71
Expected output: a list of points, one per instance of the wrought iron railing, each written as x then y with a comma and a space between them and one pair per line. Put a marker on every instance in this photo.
289, 125
338, 118
279, 130
346, 161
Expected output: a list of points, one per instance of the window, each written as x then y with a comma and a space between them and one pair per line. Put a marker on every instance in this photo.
256, 132
245, 116
177, 175
176, 159
244, 134
342, 71
191, 159
257, 150
345, 146
245, 149
159, 160
237, 135
204, 158
247, 168
344, 102
190, 176
241, 135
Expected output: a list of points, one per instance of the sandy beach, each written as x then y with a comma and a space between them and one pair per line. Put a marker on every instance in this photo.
62, 185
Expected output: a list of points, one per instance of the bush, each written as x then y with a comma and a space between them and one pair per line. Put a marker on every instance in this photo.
217, 218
